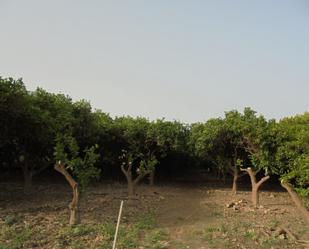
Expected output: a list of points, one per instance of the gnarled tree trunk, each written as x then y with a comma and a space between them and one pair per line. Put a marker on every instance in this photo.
234, 171
29, 173
74, 205
255, 185
151, 178
235, 178
298, 202
131, 182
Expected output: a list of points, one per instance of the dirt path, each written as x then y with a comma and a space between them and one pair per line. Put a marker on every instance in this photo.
196, 217
186, 211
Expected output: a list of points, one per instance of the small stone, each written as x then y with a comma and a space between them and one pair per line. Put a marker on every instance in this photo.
281, 236
229, 205
235, 208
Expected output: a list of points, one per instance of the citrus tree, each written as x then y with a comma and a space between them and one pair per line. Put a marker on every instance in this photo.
218, 141
78, 168
258, 139
136, 160
292, 158
164, 138
30, 121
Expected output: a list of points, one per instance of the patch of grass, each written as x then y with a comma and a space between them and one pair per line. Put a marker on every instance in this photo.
250, 234
12, 237
10, 220
223, 228
273, 242
101, 236
211, 229
128, 237
213, 236
107, 230
274, 223
156, 239
216, 213
208, 233
146, 221
78, 245
75, 231
303, 230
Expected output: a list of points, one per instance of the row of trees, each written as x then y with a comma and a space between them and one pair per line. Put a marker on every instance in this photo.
246, 144
40, 130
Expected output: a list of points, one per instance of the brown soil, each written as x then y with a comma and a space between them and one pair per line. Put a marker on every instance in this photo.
194, 216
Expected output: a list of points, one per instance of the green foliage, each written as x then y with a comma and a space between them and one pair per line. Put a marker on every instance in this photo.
292, 156
145, 143
82, 165
237, 140
15, 120
30, 121
148, 164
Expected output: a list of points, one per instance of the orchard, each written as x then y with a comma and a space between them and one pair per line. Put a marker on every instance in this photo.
50, 145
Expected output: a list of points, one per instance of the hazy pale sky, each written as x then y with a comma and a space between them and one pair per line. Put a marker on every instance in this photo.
188, 60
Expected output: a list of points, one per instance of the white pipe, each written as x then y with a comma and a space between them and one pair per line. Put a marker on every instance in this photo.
117, 227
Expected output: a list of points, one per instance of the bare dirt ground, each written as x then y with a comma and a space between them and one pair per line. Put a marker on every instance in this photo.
174, 216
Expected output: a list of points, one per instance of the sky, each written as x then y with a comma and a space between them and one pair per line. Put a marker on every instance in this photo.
184, 60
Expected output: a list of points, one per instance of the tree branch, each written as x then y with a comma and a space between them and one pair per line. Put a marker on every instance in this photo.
298, 202
251, 174
130, 166
264, 179
246, 170
74, 217
140, 176
61, 169
251, 148
124, 170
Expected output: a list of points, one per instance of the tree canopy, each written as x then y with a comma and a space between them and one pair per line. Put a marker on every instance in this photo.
36, 123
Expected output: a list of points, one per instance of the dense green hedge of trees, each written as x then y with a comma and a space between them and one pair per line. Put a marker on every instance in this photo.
42, 130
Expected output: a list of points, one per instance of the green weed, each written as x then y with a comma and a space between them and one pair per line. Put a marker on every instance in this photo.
146, 221
14, 238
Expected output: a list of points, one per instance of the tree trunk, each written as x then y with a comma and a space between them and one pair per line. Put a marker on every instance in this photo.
255, 195
128, 174
298, 202
27, 179
29, 173
151, 178
235, 178
236, 175
131, 188
255, 185
74, 205
131, 182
